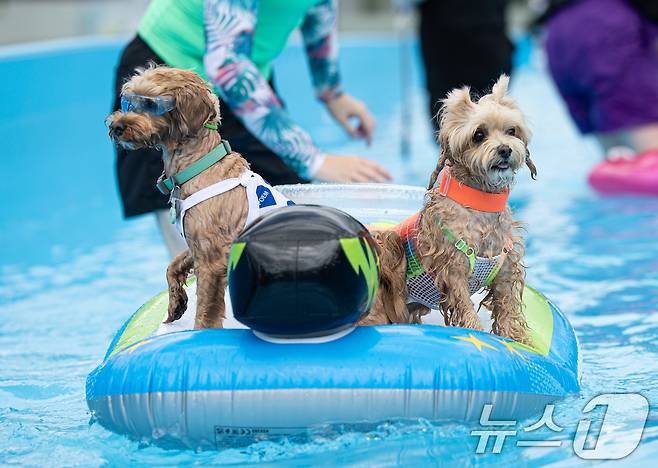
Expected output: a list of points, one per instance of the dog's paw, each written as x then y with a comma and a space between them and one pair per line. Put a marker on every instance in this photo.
514, 331
177, 306
470, 322
520, 337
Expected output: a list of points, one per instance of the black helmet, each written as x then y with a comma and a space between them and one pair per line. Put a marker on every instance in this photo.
303, 271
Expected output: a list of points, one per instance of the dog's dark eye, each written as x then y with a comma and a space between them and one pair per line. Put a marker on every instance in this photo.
479, 135
150, 106
511, 131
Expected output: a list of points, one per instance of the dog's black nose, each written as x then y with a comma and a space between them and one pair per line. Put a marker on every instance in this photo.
504, 151
117, 129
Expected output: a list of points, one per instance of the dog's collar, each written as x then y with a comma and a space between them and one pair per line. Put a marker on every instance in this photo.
167, 185
470, 197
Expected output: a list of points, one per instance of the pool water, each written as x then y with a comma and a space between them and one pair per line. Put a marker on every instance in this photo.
72, 271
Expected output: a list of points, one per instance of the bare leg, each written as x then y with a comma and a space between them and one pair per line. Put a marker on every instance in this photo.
609, 141
638, 139
644, 138
170, 236
177, 273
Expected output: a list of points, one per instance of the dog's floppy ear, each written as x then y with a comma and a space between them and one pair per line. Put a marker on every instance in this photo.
443, 158
455, 109
499, 93
445, 150
457, 103
214, 116
195, 106
531, 165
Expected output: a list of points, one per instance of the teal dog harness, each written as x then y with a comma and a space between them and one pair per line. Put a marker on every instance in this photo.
261, 197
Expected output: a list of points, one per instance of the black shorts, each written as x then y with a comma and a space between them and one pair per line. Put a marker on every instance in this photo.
137, 171
463, 43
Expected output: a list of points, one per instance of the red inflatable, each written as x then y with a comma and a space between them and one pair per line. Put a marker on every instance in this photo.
638, 175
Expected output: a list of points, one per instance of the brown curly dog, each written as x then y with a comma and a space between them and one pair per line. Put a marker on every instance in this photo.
177, 111
464, 239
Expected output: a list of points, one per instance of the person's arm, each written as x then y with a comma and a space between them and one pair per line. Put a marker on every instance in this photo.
229, 26
319, 35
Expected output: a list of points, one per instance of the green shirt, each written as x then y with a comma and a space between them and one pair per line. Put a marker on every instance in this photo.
174, 29
235, 42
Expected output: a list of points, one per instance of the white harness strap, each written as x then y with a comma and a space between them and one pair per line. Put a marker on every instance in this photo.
261, 197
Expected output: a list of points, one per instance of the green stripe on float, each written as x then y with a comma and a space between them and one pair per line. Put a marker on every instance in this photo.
539, 316
145, 321
537, 310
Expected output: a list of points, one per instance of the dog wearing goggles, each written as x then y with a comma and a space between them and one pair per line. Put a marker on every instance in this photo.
178, 112
158, 105
464, 239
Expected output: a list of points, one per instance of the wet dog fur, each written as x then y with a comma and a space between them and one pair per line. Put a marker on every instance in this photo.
474, 136
211, 226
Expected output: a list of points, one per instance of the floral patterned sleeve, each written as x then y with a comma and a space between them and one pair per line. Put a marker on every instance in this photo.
319, 33
229, 26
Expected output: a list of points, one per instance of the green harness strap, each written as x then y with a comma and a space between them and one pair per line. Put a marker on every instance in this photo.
460, 244
492, 274
167, 185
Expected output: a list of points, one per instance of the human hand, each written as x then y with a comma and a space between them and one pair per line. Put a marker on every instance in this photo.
345, 107
351, 169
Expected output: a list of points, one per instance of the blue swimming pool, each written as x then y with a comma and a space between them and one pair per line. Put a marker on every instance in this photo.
72, 271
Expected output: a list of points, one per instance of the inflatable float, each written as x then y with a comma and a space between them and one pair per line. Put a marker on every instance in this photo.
637, 175
204, 389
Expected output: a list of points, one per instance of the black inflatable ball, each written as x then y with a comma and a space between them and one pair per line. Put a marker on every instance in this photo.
303, 271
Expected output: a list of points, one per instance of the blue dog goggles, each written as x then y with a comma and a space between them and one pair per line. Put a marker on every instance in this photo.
158, 105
